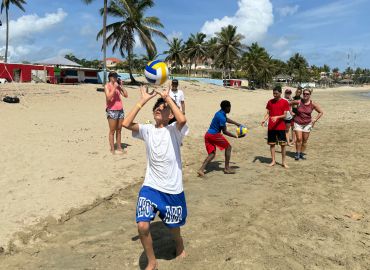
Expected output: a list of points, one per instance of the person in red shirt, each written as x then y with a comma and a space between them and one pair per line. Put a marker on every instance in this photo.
276, 112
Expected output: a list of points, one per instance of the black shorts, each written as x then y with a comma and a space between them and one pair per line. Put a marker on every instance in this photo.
288, 121
276, 137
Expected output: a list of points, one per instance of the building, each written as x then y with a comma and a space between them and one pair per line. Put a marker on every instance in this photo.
26, 72
112, 62
71, 72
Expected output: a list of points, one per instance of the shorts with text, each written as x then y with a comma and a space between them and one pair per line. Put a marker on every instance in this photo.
171, 207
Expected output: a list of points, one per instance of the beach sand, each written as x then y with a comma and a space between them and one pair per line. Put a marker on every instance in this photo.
67, 203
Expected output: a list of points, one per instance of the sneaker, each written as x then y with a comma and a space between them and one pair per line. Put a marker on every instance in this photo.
301, 156
297, 156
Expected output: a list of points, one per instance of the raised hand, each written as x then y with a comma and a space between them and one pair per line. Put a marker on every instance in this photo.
164, 93
145, 94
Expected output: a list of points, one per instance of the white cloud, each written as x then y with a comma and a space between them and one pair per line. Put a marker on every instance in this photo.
253, 19
281, 43
27, 26
25, 30
287, 10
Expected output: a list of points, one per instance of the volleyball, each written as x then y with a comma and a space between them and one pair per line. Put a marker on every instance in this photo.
241, 131
156, 72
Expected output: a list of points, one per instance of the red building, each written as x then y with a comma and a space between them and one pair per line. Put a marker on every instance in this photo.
26, 72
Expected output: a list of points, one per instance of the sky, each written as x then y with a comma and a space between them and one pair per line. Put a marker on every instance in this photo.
324, 32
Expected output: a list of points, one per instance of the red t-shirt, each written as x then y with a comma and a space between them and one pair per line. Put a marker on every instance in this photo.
277, 108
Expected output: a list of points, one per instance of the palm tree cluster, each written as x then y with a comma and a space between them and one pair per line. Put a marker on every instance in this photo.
132, 24
5, 4
228, 56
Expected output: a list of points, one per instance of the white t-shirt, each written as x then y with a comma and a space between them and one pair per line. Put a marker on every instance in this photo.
164, 166
178, 97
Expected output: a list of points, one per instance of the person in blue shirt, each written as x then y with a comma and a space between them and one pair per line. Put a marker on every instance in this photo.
213, 138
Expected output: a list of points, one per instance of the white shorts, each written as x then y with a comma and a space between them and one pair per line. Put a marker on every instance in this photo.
303, 128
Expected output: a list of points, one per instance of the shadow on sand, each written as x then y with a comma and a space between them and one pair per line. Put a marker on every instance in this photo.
216, 166
163, 244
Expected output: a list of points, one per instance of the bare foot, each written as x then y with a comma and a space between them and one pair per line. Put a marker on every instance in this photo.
112, 152
272, 164
285, 166
120, 151
229, 171
152, 266
200, 173
182, 255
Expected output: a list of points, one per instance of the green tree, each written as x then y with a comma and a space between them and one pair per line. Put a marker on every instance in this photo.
104, 35
228, 48
5, 4
175, 53
297, 66
196, 49
132, 21
253, 60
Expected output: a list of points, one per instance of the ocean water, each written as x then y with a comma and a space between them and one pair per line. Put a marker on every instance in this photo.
126, 76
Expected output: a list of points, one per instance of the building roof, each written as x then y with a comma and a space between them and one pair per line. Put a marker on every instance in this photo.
113, 59
58, 60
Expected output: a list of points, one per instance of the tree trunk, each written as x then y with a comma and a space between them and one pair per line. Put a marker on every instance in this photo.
7, 35
105, 42
129, 58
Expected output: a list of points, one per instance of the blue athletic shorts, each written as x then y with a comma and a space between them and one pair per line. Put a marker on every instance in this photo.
171, 207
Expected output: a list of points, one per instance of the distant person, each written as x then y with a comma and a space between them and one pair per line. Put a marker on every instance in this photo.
162, 191
276, 112
57, 73
177, 95
303, 122
114, 109
289, 116
213, 138
297, 96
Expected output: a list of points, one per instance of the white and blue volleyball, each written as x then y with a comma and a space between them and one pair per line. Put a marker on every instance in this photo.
156, 72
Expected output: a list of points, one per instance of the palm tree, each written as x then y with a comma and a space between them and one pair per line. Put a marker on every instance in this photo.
297, 66
104, 38
175, 52
266, 71
212, 50
196, 49
6, 4
253, 60
121, 34
228, 48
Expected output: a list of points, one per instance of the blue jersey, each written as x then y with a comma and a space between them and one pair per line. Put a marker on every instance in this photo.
218, 122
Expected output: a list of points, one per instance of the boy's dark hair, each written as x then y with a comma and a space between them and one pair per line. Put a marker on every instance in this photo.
277, 88
158, 103
225, 104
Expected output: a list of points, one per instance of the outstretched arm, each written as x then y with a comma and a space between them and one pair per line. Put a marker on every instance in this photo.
228, 133
228, 120
129, 120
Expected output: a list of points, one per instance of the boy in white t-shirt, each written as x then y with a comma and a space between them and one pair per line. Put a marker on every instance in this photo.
177, 95
162, 190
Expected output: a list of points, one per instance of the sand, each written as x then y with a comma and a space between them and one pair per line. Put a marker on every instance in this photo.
67, 203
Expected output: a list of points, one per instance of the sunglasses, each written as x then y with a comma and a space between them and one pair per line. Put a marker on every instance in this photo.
306, 94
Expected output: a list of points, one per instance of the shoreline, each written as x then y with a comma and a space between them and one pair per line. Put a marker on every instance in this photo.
26, 235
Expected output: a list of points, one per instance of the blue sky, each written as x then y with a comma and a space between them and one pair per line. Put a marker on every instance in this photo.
325, 32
